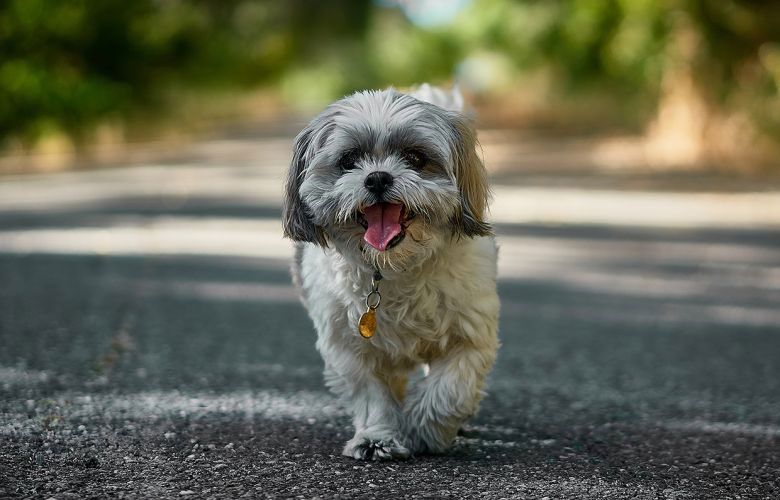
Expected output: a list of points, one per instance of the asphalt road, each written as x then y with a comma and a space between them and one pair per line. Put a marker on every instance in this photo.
151, 345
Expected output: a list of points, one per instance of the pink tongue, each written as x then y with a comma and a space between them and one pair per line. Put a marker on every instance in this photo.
384, 223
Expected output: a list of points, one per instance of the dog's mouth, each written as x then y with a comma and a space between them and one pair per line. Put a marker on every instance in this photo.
385, 224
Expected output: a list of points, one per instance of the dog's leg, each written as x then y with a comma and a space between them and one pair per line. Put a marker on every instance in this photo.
397, 384
438, 404
376, 413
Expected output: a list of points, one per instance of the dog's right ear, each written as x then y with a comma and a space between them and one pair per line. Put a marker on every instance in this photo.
298, 222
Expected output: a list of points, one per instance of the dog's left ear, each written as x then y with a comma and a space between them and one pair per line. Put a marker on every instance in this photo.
296, 217
472, 180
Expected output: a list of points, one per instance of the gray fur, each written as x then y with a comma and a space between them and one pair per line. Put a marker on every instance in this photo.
295, 271
378, 128
296, 216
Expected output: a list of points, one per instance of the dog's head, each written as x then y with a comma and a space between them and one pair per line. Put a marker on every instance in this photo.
384, 175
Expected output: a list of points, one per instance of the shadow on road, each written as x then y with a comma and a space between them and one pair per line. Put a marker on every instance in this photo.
636, 362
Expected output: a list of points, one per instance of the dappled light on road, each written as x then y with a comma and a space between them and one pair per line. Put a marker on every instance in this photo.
159, 236
218, 290
567, 205
636, 318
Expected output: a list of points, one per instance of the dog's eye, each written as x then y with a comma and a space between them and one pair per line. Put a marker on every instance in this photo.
415, 159
348, 160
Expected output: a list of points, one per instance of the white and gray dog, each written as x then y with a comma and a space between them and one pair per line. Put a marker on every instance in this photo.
388, 186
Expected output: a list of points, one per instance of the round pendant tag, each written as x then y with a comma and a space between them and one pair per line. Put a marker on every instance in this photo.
367, 324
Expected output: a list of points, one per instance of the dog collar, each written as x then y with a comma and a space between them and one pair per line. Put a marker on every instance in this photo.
367, 323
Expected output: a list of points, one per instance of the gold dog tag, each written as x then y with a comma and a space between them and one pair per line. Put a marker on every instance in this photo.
367, 324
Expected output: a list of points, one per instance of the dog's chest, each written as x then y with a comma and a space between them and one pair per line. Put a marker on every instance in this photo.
418, 309
421, 312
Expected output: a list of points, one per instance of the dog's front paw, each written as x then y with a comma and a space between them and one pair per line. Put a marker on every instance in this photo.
367, 445
430, 438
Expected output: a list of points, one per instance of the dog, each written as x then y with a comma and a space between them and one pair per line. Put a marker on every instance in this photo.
386, 199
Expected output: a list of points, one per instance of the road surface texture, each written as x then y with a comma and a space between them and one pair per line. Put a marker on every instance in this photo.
151, 345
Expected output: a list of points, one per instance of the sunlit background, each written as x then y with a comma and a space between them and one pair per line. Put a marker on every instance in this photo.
684, 82
145, 298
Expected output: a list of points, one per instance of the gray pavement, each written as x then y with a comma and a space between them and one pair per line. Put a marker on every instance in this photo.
151, 345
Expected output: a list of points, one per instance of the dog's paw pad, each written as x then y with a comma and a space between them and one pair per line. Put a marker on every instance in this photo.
366, 448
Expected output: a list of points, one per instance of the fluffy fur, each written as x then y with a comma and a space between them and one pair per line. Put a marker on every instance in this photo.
439, 306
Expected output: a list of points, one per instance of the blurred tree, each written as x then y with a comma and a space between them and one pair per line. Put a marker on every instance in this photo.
705, 75
720, 87
692, 69
64, 64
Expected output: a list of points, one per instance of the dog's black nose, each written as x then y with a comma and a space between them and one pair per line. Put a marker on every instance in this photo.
378, 182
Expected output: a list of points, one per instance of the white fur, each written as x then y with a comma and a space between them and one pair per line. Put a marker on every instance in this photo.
452, 100
439, 304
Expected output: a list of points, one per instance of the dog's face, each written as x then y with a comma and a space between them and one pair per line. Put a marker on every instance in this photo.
387, 178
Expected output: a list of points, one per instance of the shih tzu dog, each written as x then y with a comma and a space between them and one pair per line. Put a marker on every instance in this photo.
386, 199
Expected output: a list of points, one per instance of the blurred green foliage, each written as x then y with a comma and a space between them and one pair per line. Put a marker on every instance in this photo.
67, 64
